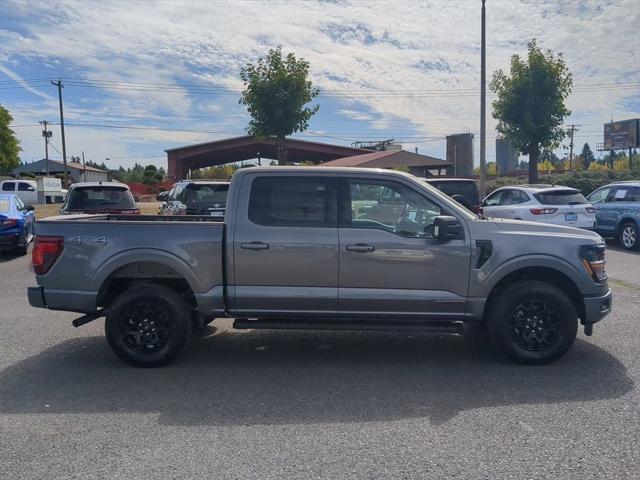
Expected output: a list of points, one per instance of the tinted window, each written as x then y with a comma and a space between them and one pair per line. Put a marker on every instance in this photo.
561, 197
25, 187
634, 195
467, 189
204, 194
8, 186
390, 206
95, 198
293, 202
4, 205
620, 194
599, 196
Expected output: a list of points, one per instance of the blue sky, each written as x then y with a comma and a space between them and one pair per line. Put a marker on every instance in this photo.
143, 76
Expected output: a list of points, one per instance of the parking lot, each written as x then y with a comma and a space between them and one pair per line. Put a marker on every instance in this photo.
261, 404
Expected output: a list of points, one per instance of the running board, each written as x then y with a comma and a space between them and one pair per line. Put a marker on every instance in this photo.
350, 324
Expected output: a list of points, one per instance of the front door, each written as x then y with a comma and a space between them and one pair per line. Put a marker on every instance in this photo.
285, 246
391, 264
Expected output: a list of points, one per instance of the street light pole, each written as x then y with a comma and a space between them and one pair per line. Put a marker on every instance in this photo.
483, 121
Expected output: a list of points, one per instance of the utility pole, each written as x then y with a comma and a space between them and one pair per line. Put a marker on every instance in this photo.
483, 120
64, 146
47, 135
84, 168
572, 130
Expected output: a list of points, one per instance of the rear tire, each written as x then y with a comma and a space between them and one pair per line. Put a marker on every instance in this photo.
629, 237
532, 322
148, 325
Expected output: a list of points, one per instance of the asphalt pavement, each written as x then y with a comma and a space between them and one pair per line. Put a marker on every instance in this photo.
335, 405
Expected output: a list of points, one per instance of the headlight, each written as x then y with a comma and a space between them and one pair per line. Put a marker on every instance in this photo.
592, 257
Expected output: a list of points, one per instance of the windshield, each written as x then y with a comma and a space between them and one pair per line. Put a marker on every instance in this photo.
4, 205
100, 197
561, 197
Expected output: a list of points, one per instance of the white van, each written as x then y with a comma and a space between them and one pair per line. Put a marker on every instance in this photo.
27, 190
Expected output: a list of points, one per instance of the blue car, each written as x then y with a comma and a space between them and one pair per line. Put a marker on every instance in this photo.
17, 222
618, 212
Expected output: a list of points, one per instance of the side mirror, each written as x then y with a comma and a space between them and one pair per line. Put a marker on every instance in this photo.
162, 196
30, 208
447, 228
136, 198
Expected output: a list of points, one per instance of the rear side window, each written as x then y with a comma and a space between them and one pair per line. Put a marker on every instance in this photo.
634, 195
293, 202
25, 187
87, 198
8, 186
560, 197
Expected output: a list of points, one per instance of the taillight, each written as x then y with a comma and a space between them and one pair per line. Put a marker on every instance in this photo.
45, 253
590, 210
543, 211
8, 223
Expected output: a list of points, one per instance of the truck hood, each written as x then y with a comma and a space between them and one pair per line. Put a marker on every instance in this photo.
538, 229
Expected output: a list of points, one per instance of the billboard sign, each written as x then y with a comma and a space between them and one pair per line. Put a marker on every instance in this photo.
621, 135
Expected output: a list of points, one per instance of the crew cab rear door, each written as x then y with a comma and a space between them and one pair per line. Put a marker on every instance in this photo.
285, 246
390, 263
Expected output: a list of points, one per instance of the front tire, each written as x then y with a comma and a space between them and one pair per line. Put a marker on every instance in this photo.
532, 322
628, 236
148, 325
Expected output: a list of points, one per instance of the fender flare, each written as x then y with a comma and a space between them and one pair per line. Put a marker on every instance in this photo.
580, 279
137, 255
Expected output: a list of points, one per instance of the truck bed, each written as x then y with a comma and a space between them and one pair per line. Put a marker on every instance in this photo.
101, 248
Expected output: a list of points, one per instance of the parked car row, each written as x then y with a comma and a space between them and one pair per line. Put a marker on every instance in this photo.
613, 211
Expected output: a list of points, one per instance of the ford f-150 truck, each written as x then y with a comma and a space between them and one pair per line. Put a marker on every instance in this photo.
323, 248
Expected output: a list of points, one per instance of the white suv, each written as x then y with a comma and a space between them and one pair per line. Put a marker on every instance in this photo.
541, 203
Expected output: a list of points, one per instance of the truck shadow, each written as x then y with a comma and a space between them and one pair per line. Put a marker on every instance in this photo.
270, 377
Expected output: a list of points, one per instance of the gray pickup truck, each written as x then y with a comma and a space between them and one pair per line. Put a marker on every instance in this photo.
323, 248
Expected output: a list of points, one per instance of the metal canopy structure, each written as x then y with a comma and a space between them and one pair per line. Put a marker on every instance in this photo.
181, 160
417, 164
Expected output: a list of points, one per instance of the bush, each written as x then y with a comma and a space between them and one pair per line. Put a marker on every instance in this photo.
588, 181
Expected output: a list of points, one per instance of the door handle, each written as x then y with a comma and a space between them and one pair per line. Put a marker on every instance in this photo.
360, 247
254, 246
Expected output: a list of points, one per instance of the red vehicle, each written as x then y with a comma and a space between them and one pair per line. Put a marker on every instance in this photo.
100, 197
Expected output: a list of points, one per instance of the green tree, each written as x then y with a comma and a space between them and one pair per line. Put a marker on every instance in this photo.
277, 91
530, 105
587, 156
9, 143
547, 154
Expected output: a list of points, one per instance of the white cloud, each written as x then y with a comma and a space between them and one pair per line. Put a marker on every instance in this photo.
370, 56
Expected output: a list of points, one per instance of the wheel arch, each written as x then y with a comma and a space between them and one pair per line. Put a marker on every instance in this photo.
546, 274
144, 266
